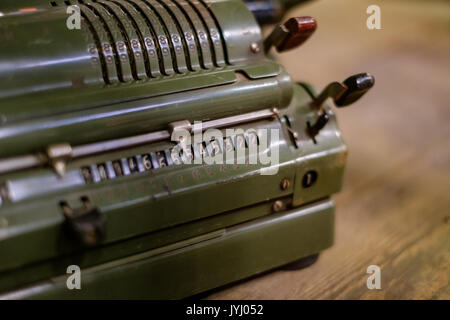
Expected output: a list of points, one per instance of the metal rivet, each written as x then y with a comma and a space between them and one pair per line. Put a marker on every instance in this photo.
285, 184
254, 47
277, 206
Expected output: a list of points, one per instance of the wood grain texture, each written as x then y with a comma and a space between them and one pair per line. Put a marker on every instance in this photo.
394, 210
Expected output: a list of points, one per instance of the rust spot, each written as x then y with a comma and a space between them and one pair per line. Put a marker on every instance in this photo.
78, 82
141, 187
241, 76
27, 9
196, 174
116, 122
341, 159
208, 171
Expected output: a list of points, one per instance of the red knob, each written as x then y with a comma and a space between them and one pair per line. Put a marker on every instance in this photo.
298, 29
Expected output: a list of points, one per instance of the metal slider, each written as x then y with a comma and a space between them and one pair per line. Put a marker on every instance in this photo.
58, 155
291, 131
178, 129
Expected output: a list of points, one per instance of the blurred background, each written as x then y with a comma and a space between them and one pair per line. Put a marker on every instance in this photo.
394, 209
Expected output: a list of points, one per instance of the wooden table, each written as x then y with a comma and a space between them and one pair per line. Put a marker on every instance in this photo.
394, 210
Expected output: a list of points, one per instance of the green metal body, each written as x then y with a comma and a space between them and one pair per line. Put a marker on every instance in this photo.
173, 231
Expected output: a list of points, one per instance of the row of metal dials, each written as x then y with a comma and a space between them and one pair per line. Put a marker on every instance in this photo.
168, 157
139, 39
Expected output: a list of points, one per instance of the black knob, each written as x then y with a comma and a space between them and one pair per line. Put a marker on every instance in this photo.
357, 86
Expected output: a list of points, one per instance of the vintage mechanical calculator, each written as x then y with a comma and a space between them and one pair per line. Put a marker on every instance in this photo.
114, 115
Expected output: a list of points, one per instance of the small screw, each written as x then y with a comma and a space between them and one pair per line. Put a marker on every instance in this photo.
254, 47
285, 184
277, 206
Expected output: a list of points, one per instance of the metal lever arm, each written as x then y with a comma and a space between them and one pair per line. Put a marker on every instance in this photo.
290, 34
343, 94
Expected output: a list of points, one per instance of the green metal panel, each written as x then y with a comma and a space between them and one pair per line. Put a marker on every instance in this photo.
192, 191
143, 115
202, 263
86, 258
